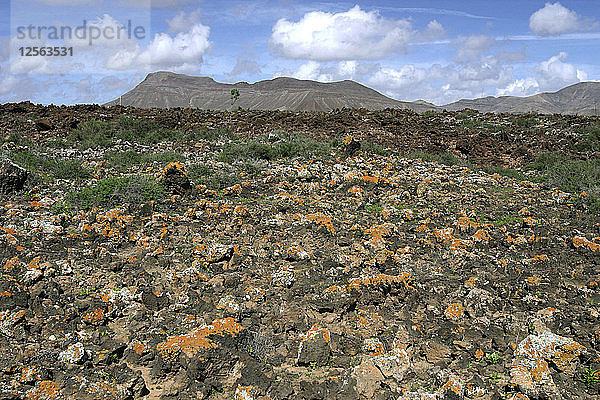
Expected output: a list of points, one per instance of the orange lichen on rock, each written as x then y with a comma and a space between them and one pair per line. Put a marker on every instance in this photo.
530, 369
357, 191
535, 259
12, 263
322, 220
47, 390
464, 224
530, 221
177, 165
479, 354
95, 317
380, 279
377, 232
368, 320
454, 311
579, 241
534, 280
470, 283
291, 198
373, 347
198, 339
481, 236
314, 333
454, 385
244, 393
444, 235
138, 347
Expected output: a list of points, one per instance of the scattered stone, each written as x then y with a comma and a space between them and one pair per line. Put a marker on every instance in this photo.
12, 177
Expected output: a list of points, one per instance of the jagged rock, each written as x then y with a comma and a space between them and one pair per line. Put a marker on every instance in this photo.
175, 180
43, 124
12, 177
530, 369
368, 379
314, 347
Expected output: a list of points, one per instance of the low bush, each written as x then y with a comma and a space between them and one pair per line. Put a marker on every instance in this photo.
116, 191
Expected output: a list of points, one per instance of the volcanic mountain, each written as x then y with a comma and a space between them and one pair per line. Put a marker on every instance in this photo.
167, 89
582, 98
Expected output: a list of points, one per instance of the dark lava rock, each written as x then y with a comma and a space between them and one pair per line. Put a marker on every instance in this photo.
43, 124
12, 177
175, 180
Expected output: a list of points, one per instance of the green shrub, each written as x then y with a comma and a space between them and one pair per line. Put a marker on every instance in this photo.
370, 147
213, 179
590, 139
570, 175
125, 159
116, 191
441, 158
95, 133
511, 173
286, 145
590, 377
56, 168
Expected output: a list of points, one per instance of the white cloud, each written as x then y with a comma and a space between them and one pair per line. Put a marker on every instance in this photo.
8, 84
351, 35
312, 70
182, 21
550, 75
405, 77
472, 47
434, 30
555, 73
520, 87
555, 19
184, 48
104, 31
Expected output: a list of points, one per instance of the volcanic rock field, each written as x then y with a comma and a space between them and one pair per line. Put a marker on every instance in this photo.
353, 254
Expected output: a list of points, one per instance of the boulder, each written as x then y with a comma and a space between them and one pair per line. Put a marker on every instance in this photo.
12, 177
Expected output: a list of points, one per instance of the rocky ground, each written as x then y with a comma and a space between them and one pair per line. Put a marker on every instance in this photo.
216, 256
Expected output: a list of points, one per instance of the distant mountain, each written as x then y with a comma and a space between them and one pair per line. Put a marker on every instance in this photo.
166, 89
582, 99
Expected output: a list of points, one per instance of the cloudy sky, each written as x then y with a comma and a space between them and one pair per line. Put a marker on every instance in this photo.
439, 51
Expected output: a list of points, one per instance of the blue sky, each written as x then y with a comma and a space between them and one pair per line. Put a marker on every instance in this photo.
438, 51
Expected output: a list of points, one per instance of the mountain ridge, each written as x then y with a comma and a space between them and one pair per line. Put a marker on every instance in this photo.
163, 89
166, 89
581, 98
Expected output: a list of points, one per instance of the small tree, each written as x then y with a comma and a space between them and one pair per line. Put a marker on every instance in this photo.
234, 95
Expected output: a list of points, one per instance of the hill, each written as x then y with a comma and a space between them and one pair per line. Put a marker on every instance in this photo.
167, 89
582, 99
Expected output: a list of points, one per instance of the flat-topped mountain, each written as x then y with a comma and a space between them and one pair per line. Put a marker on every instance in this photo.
166, 89
582, 98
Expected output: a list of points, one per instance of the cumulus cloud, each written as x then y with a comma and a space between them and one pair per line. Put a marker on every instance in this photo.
550, 75
403, 78
184, 48
180, 52
472, 47
351, 35
555, 19
555, 73
434, 30
182, 21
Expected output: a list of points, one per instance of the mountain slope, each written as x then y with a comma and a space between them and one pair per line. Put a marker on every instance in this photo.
166, 89
582, 98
